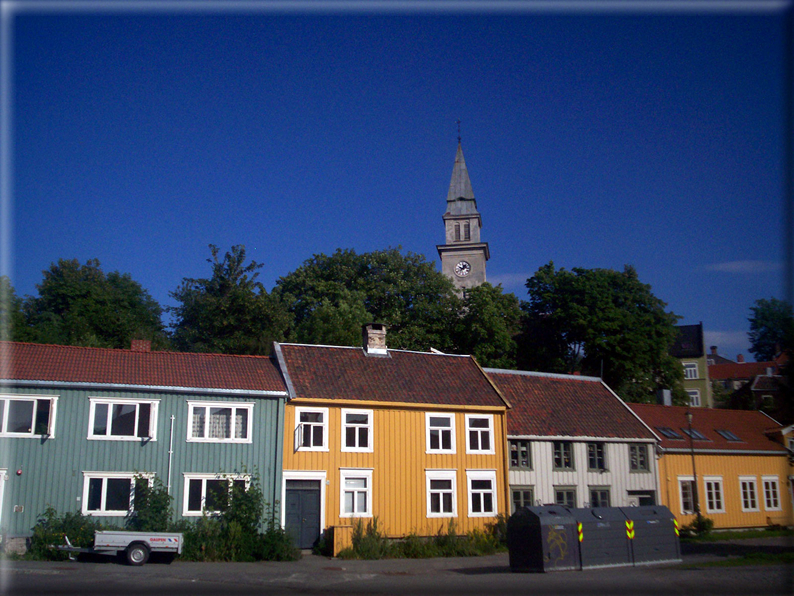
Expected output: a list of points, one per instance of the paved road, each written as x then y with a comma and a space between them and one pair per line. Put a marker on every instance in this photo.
319, 575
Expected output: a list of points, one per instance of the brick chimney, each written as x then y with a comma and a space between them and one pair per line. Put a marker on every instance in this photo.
141, 345
374, 338
714, 350
740, 359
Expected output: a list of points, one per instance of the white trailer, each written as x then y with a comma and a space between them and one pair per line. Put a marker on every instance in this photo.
135, 546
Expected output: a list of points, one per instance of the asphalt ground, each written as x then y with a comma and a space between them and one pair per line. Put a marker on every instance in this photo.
461, 576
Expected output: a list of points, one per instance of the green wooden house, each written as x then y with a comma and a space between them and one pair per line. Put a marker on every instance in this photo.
77, 424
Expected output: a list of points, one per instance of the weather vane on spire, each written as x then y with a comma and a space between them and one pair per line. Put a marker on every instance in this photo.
458, 130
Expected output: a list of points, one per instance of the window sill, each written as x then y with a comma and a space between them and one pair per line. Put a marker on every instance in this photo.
124, 438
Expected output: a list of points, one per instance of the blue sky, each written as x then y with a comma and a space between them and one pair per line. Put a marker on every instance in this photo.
650, 135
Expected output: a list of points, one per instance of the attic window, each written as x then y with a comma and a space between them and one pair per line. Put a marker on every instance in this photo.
726, 434
668, 432
695, 434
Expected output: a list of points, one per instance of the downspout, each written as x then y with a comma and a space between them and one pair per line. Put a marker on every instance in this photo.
277, 480
170, 454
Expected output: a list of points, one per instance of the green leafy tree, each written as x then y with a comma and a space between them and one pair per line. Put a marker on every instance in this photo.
330, 297
152, 506
12, 319
488, 325
229, 312
603, 323
80, 305
771, 328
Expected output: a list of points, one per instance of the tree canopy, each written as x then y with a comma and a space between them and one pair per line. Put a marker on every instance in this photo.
80, 305
771, 328
603, 323
229, 312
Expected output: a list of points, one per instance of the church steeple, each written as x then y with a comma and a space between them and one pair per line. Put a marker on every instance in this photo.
463, 256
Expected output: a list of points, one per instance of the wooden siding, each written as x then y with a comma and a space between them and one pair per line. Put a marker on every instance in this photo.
399, 461
729, 468
52, 469
617, 477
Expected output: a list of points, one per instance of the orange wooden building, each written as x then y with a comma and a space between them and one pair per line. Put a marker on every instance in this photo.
416, 440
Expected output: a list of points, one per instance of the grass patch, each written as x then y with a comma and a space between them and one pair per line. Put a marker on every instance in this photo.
749, 559
738, 535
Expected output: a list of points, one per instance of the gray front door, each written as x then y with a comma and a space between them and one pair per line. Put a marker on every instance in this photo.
302, 511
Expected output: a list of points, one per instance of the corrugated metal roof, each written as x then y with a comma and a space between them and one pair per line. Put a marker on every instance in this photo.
562, 405
71, 364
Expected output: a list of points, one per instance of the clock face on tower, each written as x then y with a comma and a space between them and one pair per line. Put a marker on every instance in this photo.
462, 269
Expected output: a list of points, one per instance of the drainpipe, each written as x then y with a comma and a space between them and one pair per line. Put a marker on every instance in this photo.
170, 453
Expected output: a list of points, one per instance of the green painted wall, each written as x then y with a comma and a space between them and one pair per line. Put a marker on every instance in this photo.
52, 469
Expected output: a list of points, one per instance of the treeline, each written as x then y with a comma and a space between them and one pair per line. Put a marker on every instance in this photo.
595, 322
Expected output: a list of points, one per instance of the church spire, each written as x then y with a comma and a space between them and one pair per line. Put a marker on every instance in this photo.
460, 185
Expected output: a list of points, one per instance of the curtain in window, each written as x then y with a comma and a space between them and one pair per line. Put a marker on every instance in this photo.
199, 416
220, 423
240, 423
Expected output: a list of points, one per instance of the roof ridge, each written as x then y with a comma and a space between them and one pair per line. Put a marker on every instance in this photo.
532, 373
388, 349
129, 350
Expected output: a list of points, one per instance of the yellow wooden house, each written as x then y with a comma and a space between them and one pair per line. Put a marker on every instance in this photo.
732, 464
414, 439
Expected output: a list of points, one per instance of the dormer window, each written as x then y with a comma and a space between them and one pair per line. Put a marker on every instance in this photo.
695, 434
668, 432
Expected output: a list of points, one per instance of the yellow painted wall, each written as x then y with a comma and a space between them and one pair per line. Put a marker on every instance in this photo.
399, 462
730, 468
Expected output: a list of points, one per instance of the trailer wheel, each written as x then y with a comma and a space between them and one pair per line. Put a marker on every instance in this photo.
137, 554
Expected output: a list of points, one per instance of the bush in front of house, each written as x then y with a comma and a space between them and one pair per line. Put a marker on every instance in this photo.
51, 528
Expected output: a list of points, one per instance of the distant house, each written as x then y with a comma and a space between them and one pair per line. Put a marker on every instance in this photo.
416, 440
690, 349
714, 358
743, 469
77, 424
573, 442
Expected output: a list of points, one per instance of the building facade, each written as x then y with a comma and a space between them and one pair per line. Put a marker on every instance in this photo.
690, 349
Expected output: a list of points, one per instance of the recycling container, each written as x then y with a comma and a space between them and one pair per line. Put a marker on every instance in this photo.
542, 539
655, 536
602, 537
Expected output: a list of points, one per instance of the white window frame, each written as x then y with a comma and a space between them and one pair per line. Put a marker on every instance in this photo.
480, 431
5, 398
776, 481
344, 474
188, 476
472, 475
694, 397
716, 481
451, 429
752, 487
369, 426
110, 402
299, 428
235, 405
441, 475
105, 476
691, 371
681, 480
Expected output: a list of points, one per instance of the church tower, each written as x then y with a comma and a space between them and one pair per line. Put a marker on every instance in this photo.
463, 256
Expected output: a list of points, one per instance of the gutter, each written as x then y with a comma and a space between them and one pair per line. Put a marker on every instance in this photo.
125, 387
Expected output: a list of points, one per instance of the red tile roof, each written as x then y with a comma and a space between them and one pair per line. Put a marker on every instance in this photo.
748, 425
567, 406
327, 372
739, 370
70, 364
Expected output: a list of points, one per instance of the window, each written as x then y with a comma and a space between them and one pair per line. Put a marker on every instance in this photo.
791, 444
638, 458
440, 433
479, 433
694, 397
523, 496
228, 422
311, 429
771, 493
565, 496
690, 370
599, 497
728, 435
466, 230
207, 493
457, 232
520, 454
563, 455
714, 503
747, 487
356, 492
356, 430
596, 457
482, 492
668, 432
441, 493
687, 494
122, 419
27, 416
695, 434
108, 493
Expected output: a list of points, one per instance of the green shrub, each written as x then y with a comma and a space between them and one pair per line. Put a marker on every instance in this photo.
699, 527
370, 542
152, 506
51, 528
276, 544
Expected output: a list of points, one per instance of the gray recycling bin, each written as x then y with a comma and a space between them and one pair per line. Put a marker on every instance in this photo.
542, 539
602, 536
655, 538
